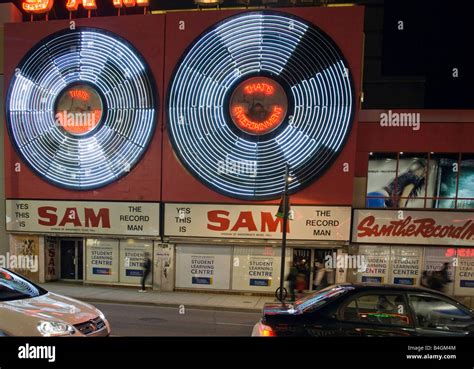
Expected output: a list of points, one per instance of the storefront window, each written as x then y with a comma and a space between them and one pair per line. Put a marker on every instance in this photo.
419, 180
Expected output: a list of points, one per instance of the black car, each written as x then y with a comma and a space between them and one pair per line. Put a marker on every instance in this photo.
368, 310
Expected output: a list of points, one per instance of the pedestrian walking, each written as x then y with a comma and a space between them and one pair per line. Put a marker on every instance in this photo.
291, 278
146, 271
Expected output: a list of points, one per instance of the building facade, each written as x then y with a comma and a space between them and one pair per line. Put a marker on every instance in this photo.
173, 138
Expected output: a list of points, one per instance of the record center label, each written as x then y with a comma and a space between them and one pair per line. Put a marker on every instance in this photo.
258, 105
79, 109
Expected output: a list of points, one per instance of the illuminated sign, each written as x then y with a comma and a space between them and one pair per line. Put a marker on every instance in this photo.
37, 6
130, 3
81, 130
73, 5
45, 6
258, 105
255, 93
79, 109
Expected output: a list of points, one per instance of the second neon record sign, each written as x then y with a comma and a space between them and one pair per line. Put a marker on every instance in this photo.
255, 93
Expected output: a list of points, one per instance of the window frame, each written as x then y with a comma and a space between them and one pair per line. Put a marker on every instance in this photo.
453, 302
355, 297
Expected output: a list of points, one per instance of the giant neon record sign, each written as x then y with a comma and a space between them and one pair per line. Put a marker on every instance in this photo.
263, 88
81, 108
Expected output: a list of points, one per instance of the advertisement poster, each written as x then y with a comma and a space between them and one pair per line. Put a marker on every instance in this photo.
102, 260
163, 273
23, 256
132, 257
51, 259
464, 281
377, 260
256, 268
76, 217
385, 186
416, 227
405, 265
330, 223
434, 259
206, 267
466, 188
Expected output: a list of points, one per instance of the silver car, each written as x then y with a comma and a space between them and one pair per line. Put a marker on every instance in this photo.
27, 309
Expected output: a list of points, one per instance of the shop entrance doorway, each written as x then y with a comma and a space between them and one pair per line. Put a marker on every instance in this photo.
308, 262
71, 253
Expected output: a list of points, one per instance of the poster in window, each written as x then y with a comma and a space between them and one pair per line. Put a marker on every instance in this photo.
466, 185
132, 258
434, 259
102, 260
203, 267
464, 272
405, 265
257, 268
376, 260
386, 189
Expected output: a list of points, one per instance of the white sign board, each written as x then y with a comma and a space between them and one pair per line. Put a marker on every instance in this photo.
413, 227
257, 221
205, 267
83, 217
102, 260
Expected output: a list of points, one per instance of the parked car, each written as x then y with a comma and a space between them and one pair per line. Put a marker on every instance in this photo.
27, 309
368, 310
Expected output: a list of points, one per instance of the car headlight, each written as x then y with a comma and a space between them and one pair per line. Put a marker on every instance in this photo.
101, 315
50, 329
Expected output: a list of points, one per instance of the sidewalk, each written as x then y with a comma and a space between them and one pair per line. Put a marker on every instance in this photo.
201, 300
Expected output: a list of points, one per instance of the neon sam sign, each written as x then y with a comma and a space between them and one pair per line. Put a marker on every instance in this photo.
45, 6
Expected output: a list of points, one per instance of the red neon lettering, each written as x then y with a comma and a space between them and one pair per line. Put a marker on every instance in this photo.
79, 94
73, 5
245, 122
259, 87
130, 3
214, 216
37, 6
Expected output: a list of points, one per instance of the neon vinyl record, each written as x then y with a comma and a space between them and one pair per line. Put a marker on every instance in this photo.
81, 108
255, 93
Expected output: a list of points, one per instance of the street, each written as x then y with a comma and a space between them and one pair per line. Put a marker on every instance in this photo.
144, 320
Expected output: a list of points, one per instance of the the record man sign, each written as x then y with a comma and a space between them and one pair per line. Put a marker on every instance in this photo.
112, 218
257, 221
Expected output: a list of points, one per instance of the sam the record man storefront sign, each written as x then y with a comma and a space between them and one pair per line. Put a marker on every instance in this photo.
89, 218
400, 244
217, 245
327, 223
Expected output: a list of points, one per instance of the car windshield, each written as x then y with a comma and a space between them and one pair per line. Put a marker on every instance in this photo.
321, 297
14, 287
